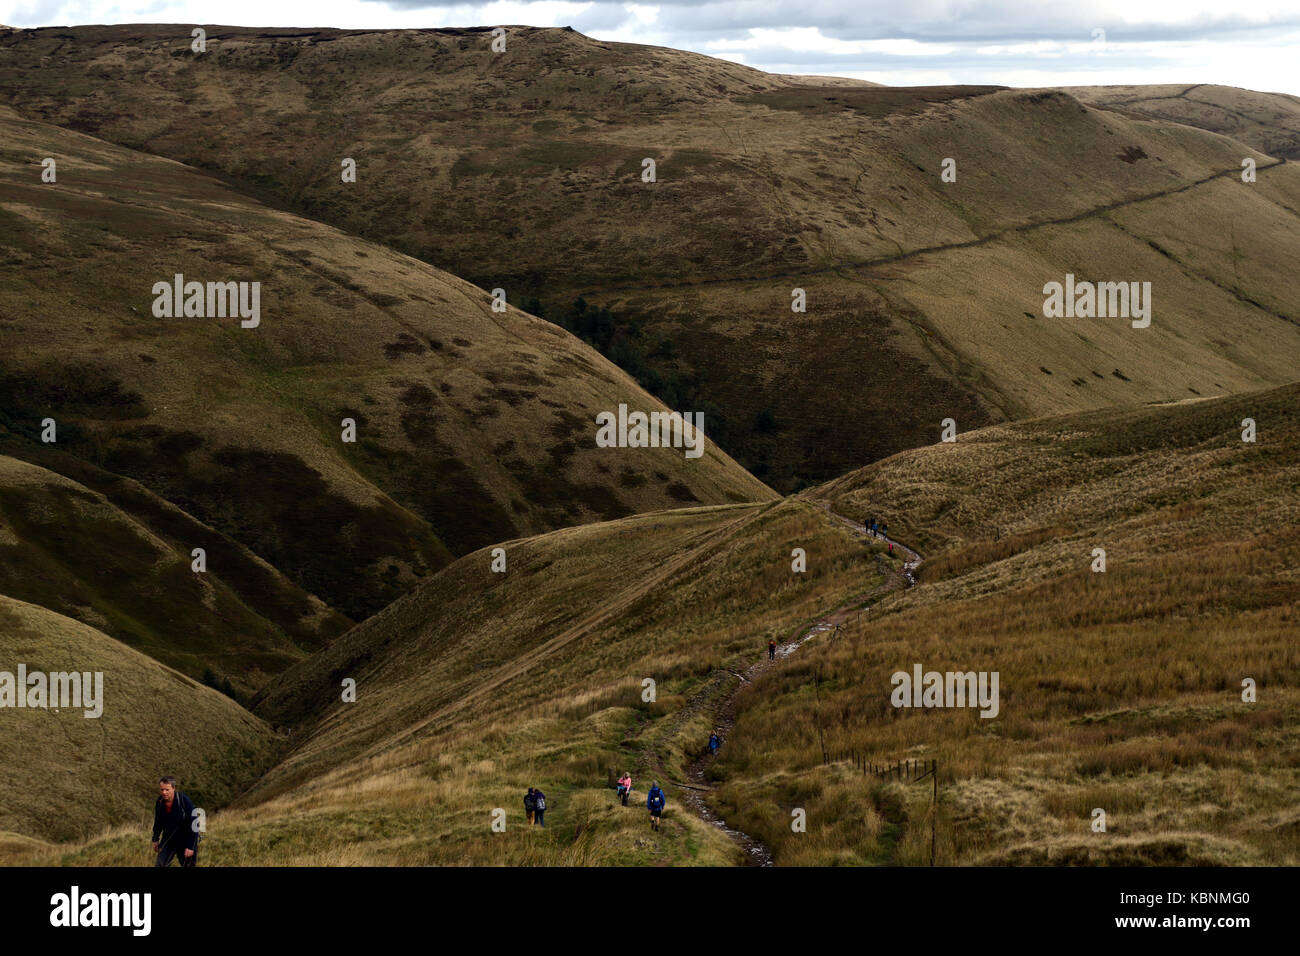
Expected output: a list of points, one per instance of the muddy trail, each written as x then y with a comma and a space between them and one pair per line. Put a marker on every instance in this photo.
719, 693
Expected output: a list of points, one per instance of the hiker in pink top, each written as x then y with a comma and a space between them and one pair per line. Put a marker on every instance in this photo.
625, 786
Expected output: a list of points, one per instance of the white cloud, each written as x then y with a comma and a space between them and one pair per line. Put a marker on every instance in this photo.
813, 40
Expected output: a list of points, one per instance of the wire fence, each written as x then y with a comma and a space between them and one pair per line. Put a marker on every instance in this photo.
904, 771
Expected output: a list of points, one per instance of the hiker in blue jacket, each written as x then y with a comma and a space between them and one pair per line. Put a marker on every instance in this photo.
174, 834
714, 742
654, 802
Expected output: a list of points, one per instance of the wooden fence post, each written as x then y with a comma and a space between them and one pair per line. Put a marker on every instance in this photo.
934, 808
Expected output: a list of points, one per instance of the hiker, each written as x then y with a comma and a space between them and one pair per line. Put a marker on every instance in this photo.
654, 802
625, 786
539, 807
891, 549
714, 742
173, 830
771, 650
884, 531
530, 805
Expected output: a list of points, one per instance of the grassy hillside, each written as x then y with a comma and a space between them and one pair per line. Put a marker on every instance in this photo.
77, 552
69, 777
471, 426
1119, 690
478, 685
1268, 122
924, 297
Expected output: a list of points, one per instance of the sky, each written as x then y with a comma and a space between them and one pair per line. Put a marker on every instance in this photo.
1247, 43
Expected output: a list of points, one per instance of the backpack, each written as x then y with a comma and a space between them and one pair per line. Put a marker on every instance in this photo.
539, 801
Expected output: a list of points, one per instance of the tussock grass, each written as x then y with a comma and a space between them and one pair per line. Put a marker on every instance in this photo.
412, 772
1119, 690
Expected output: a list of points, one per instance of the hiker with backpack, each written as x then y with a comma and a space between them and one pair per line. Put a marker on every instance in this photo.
539, 807
174, 833
654, 802
714, 742
771, 650
624, 786
530, 805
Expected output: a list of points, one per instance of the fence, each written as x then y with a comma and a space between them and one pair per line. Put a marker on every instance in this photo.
909, 771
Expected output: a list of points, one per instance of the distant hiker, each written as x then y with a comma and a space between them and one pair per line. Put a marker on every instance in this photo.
873, 525
654, 802
539, 807
868, 524
625, 786
884, 531
530, 805
771, 650
891, 549
173, 826
714, 742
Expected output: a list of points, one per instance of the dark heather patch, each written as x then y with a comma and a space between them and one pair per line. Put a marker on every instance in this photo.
681, 492
405, 345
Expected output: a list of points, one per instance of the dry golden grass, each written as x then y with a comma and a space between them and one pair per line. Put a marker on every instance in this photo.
74, 551
476, 686
472, 427
523, 171
1119, 690
1269, 122
68, 776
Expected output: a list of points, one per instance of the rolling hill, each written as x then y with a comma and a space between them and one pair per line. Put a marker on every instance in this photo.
523, 171
1120, 690
477, 684
404, 688
1268, 122
470, 426
77, 552
69, 777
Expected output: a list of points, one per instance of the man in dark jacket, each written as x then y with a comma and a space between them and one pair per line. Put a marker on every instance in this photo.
539, 802
174, 834
654, 802
530, 805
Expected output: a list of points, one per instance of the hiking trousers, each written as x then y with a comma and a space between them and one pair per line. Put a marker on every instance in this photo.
166, 852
